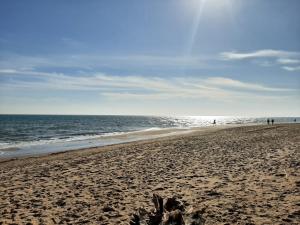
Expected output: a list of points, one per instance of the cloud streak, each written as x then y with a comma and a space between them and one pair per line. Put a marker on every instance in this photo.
287, 61
266, 53
290, 68
139, 87
281, 58
227, 82
96, 61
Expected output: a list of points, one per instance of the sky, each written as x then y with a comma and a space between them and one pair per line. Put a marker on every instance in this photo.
141, 57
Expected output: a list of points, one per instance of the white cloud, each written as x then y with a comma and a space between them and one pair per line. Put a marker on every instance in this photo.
290, 68
140, 87
265, 53
275, 57
8, 71
227, 82
288, 61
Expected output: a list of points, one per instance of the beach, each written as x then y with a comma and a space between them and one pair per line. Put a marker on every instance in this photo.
235, 175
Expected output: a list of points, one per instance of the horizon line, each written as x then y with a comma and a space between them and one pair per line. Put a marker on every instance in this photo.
44, 114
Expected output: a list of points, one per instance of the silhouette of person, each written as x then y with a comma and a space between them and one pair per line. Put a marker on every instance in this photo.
268, 121
295, 120
272, 121
214, 122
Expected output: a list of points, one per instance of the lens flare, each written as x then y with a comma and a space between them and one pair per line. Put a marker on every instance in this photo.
215, 10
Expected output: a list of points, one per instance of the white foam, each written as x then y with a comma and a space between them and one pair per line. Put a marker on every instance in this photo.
78, 138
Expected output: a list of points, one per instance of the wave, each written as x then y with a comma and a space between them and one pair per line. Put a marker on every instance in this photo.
86, 137
37, 140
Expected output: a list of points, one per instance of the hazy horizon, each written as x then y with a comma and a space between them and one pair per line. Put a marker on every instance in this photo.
161, 58
157, 115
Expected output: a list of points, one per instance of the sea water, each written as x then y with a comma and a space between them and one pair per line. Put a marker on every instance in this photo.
26, 135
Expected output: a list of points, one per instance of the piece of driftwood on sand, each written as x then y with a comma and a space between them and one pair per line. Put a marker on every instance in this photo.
172, 212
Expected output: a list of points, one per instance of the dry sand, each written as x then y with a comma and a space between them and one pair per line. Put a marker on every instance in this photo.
244, 175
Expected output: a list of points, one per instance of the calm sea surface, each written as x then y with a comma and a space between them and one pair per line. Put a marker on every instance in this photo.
22, 135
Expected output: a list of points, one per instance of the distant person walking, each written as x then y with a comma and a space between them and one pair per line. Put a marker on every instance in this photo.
268, 121
214, 123
272, 121
295, 120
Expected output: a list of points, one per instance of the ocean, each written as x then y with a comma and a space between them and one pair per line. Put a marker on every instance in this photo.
28, 135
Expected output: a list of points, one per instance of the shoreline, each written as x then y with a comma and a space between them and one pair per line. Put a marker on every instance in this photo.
239, 175
118, 139
68, 133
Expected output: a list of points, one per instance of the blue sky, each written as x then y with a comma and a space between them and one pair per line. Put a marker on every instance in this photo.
171, 57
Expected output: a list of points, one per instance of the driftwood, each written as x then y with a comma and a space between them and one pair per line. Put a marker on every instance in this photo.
171, 213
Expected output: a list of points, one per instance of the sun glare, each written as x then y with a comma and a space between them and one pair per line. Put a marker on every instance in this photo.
214, 11
213, 7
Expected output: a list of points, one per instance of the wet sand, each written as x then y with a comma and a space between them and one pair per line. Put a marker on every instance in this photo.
242, 175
